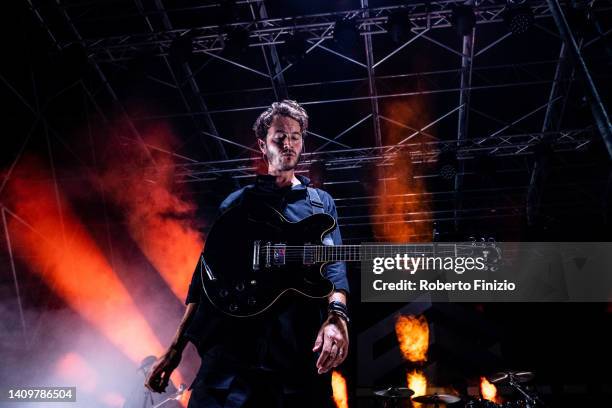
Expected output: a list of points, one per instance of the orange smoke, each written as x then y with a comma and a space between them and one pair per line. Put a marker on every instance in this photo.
417, 382
339, 390
400, 213
488, 390
411, 112
413, 337
61, 251
158, 219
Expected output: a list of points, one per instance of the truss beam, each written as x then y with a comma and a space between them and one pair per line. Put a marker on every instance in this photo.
272, 31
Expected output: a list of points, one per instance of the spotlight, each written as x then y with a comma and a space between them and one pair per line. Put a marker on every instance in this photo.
448, 172
398, 26
518, 18
346, 36
295, 48
447, 165
463, 19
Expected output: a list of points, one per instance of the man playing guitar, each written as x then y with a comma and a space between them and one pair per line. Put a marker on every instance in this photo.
277, 358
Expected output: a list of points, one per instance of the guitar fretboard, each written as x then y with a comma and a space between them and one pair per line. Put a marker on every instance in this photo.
350, 253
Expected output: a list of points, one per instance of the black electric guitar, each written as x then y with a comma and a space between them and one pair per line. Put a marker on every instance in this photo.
254, 256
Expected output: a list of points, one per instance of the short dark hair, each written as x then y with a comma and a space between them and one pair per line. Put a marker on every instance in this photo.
286, 107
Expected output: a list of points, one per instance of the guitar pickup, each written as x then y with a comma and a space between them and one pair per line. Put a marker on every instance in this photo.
278, 254
274, 254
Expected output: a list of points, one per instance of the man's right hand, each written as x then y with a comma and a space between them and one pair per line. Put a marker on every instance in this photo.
159, 376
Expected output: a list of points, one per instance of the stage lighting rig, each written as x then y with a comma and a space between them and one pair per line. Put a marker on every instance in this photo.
518, 17
447, 164
346, 36
295, 48
398, 26
463, 19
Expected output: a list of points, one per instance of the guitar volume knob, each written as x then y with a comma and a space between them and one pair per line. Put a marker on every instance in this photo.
240, 286
233, 307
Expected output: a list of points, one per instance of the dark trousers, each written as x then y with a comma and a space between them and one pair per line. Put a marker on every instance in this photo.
264, 389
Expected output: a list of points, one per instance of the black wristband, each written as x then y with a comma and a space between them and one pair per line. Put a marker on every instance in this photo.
340, 315
339, 309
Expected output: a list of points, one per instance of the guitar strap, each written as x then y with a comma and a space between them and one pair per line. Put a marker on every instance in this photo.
318, 208
315, 201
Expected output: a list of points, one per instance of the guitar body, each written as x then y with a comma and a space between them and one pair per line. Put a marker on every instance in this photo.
249, 262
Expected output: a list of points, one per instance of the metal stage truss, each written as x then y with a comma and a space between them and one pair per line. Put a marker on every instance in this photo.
423, 16
151, 29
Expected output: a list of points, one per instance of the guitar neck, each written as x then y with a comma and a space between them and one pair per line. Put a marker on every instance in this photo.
349, 253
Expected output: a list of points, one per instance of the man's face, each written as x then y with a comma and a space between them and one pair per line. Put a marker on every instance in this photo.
283, 144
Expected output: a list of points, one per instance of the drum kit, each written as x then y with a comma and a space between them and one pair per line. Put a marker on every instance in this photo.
395, 397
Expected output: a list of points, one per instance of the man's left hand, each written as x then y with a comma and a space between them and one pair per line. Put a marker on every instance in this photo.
332, 342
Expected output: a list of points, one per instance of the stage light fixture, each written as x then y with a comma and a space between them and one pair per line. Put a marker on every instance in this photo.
519, 18
448, 172
295, 48
398, 26
463, 19
346, 36
447, 164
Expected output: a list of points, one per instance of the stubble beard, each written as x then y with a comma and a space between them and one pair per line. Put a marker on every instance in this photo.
282, 164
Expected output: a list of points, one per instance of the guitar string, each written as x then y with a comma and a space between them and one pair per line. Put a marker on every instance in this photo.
347, 255
320, 253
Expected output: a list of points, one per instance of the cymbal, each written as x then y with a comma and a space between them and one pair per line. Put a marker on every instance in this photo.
437, 398
394, 392
518, 376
